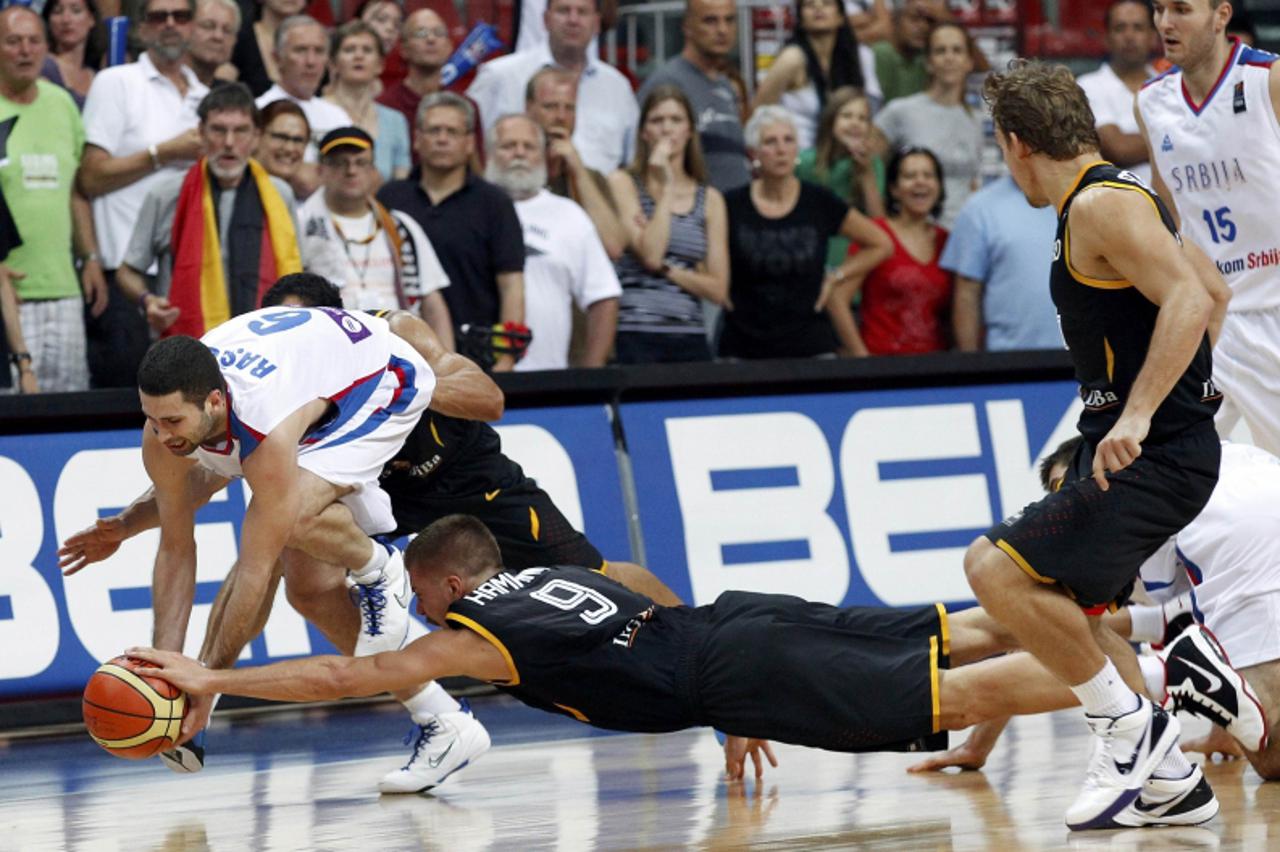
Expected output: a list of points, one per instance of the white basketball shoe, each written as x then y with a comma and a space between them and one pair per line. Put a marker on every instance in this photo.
1171, 801
441, 747
384, 607
1126, 750
1199, 679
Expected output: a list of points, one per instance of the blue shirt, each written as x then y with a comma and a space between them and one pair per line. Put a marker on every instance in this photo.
1002, 241
391, 148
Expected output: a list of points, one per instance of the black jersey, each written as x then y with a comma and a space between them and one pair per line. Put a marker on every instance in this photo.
1108, 326
580, 644
450, 456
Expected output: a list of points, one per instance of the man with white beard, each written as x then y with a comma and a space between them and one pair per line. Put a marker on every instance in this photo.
565, 262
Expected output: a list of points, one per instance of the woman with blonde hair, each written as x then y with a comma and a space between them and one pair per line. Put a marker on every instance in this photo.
677, 251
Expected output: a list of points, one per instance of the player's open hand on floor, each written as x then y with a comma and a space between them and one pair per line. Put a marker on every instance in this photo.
91, 545
736, 750
965, 756
1119, 448
1216, 742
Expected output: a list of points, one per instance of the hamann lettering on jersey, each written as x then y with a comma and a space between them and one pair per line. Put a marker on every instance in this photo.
1214, 174
502, 584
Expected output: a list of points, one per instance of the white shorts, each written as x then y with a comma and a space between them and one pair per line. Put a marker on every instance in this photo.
354, 453
1246, 368
1249, 630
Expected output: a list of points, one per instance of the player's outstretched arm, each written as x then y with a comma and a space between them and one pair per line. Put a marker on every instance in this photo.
462, 388
100, 541
1119, 230
443, 653
173, 579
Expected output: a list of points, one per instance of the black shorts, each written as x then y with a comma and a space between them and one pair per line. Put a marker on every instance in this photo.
530, 530
843, 679
1092, 542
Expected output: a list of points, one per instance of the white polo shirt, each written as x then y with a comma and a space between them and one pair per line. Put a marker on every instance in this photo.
608, 115
1112, 103
322, 115
564, 264
129, 108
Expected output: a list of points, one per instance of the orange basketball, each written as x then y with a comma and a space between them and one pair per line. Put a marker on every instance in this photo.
130, 715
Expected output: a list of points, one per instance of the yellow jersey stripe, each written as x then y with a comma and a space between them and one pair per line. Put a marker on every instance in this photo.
435, 434
575, 713
1111, 359
1022, 563
934, 686
535, 525
946, 630
1075, 183
492, 640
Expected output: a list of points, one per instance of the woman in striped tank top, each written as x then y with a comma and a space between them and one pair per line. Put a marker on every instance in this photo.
677, 240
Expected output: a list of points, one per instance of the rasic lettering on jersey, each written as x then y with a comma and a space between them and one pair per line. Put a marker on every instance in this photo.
242, 359
503, 584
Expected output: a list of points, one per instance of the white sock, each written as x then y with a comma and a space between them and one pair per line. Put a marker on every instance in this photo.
430, 701
1148, 623
1106, 693
1153, 675
372, 569
1174, 765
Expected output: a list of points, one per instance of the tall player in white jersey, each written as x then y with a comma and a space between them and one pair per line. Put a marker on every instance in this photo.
307, 405
1214, 142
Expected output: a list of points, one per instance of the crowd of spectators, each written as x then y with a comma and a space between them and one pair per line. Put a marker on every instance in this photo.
541, 207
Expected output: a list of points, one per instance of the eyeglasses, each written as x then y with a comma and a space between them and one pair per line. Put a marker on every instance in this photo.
286, 139
213, 26
159, 16
423, 32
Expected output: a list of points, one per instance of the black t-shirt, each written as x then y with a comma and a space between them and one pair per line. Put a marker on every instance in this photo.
475, 233
449, 457
776, 271
582, 645
1108, 326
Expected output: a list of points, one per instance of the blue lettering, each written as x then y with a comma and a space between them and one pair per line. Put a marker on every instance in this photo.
262, 370
246, 359
228, 358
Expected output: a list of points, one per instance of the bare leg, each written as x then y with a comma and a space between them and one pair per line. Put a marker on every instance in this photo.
318, 591
1043, 619
1265, 680
975, 635
325, 529
637, 578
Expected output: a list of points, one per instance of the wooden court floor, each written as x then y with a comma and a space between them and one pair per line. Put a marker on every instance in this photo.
305, 780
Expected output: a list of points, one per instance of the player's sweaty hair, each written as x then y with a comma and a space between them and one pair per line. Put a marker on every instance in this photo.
313, 290
457, 544
180, 363
1044, 107
1062, 456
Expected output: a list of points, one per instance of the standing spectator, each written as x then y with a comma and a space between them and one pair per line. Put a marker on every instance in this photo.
603, 93
285, 134
378, 259
939, 118
255, 51
213, 38
780, 289
710, 30
999, 252
209, 272
843, 162
386, 18
15, 363
355, 61
39, 152
426, 46
905, 299
1111, 89
822, 56
471, 223
565, 264
531, 29
75, 45
301, 50
900, 61
552, 102
676, 236
140, 123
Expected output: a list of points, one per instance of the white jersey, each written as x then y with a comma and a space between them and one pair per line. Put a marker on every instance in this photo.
277, 360
1231, 552
1221, 162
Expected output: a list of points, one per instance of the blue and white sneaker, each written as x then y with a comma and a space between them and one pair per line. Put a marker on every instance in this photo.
186, 758
384, 608
441, 747
1126, 750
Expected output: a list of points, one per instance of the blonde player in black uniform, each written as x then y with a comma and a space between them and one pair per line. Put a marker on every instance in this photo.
1134, 305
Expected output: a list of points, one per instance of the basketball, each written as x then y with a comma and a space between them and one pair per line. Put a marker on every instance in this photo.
129, 715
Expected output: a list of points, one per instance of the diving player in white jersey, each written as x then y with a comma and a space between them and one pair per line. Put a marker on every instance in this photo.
307, 405
1228, 561
1214, 142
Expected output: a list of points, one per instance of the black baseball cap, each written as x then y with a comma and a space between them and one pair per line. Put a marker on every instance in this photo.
345, 137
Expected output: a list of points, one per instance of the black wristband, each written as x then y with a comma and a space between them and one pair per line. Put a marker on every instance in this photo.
16, 358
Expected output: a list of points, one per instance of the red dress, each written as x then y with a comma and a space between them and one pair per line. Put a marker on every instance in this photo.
905, 303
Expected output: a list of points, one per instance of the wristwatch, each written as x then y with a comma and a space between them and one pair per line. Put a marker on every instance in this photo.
18, 358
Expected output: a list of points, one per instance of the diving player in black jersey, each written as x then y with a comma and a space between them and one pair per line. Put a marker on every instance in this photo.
1137, 310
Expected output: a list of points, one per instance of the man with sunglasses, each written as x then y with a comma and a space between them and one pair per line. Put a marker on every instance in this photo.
140, 124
